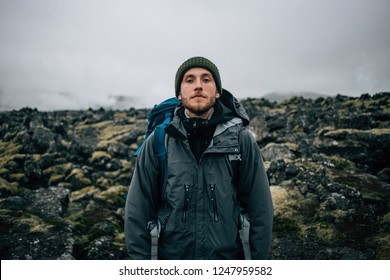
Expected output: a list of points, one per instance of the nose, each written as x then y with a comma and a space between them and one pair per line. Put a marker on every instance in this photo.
198, 84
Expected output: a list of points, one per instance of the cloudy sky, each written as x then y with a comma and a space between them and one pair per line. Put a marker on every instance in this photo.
76, 54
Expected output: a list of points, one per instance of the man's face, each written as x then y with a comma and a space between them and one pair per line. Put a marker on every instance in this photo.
198, 92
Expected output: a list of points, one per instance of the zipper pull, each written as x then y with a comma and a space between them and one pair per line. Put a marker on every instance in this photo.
186, 202
214, 202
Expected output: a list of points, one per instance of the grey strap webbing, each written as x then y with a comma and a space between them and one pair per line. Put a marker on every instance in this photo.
155, 228
244, 235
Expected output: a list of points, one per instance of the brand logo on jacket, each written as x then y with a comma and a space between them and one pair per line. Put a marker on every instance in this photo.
236, 157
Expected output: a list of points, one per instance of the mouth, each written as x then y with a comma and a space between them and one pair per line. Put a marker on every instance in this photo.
198, 96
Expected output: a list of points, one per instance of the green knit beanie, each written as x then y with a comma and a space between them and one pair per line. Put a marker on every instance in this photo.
200, 62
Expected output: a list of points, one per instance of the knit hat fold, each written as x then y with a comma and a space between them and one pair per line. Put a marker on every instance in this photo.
195, 62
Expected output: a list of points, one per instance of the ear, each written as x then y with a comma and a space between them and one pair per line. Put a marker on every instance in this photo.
179, 96
217, 95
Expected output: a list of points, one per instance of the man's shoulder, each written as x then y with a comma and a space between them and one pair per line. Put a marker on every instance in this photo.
246, 134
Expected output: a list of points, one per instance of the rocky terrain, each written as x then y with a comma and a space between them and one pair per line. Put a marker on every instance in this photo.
64, 178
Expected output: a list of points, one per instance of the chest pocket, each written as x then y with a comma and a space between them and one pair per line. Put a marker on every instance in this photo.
220, 180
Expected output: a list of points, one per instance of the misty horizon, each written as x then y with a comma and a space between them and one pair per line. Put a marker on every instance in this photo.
59, 55
45, 101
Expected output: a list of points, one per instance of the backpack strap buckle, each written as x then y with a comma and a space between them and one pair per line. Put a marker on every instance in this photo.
244, 235
154, 227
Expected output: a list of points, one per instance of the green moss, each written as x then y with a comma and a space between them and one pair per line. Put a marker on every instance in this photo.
282, 225
8, 150
114, 195
381, 244
341, 163
341, 133
115, 132
36, 224
4, 172
369, 186
102, 145
17, 177
308, 204
66, 144
55, 179
107, 130
104, 182
100, 156
26, 221
326, 232
78, 179
126, 165
8, 187
82, 217
59, 169
84, 193
120, 238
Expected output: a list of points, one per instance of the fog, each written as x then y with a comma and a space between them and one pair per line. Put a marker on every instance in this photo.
80, 54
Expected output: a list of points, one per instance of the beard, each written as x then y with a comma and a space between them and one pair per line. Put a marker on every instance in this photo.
199, 109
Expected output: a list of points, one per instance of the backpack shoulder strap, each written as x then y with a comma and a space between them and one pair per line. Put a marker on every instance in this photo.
161, 151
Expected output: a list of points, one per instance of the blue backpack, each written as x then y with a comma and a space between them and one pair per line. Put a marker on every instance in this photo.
158, 119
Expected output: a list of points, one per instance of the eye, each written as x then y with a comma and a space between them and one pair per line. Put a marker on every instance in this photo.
189, 80
206, 80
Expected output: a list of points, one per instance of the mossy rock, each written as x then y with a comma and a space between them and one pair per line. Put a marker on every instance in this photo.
104, 182
8, 150
78, 179
57, 173
18, 177
35, 223
326, 232
114, 195
55, 179
134, 146
126, 165
343, 134
8, 188
283, 226
83, 215
368, 185
285, 201
102, 145
100, 157
84, 193
63, 169
342, 163
308, 204
381, 245
111, 131
4, 172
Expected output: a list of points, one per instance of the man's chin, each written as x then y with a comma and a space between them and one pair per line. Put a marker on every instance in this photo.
199, 110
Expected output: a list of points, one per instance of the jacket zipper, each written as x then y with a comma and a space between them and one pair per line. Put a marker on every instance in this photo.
164, 222
214, 202
186, 202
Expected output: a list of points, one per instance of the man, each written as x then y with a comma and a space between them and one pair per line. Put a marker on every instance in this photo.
214, 170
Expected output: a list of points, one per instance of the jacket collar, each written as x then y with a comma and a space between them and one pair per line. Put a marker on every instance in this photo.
227, 102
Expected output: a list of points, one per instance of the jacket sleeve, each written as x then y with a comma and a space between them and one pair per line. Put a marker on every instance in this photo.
254, 192
141, 202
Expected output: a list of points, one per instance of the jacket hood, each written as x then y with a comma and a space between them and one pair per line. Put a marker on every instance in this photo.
232, 103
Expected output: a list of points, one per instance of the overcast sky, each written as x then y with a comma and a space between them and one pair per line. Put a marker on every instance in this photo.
76, 54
